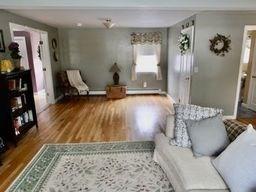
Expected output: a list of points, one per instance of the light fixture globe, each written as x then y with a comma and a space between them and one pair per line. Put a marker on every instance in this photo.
108, 23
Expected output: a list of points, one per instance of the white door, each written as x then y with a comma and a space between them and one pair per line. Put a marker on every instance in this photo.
252, 86
23, 51
186, 67
47, 69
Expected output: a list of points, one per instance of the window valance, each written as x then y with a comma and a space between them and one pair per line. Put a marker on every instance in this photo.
146, 38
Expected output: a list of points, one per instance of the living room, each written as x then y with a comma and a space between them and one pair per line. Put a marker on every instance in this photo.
125, 87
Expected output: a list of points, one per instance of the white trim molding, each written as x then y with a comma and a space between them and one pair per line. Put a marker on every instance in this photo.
133, 92
58, 99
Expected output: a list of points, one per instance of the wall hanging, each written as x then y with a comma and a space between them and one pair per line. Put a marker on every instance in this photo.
183, 43
54, 43
2, 46
220, 44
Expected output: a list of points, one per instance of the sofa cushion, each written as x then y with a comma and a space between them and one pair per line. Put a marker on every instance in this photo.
208, 136
186, 112
191, 173
237, 164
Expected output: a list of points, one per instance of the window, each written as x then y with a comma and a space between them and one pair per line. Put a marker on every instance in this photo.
146, 54
146, 58
146, 64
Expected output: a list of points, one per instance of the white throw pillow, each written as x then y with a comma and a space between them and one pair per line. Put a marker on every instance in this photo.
169, 130
237, 164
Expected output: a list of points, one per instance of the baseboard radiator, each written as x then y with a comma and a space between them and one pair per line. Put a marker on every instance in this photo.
133, 92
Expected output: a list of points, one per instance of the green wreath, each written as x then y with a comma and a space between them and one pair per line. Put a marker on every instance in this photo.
184, 43
220, 44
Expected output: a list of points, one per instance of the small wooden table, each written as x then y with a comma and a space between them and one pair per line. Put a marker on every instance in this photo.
116, 91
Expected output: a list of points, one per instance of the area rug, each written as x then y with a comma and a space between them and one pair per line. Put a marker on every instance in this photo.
105, 167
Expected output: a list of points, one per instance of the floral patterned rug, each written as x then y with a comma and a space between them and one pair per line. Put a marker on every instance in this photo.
105, 167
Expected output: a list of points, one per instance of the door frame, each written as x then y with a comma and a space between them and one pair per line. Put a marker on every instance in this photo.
23, 38
246, 29
192, 28
47, 59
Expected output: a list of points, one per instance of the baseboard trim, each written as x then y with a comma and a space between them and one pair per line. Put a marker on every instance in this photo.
229, 117
97, 93
132, 92
245, 105
58, 99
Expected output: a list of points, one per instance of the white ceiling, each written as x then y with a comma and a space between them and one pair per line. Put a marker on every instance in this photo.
125, 13
131, 4
94, 18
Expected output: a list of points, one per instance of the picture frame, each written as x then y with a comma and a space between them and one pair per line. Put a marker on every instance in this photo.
2, 45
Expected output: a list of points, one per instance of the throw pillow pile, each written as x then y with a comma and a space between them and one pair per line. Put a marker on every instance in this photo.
203, 129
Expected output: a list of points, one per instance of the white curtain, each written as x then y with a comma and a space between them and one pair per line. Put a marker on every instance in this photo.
140, 50
158, 56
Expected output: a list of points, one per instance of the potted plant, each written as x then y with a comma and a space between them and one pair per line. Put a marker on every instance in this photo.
14, 49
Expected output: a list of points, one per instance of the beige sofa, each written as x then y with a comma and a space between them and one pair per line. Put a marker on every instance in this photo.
186, 172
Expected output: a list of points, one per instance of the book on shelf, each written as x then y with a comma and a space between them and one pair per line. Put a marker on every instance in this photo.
21, 120
18, 102
17, 85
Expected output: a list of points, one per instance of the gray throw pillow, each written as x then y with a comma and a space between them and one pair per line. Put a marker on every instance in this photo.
185, 112
208, 136
237, 164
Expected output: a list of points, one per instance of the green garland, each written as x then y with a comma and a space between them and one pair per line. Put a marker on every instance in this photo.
183, 43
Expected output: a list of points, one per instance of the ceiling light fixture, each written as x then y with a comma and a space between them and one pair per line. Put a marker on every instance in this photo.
79, 24
108, 23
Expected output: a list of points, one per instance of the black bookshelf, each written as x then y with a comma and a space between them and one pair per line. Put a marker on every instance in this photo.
17, 105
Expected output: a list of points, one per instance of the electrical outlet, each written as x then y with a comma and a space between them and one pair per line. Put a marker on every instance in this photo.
144, 84
195, 69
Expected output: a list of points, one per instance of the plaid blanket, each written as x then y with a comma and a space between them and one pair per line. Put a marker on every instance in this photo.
234, 128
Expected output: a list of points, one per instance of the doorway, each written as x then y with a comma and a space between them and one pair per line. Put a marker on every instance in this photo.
246, 104
34, 49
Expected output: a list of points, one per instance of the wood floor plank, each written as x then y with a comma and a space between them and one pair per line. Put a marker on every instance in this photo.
92, 119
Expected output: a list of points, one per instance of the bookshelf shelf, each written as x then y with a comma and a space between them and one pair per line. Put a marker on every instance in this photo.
20, 111
17, 93
17, 105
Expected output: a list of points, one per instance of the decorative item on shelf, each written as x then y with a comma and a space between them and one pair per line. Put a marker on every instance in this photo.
14, 48
115, 69
6, 66
220, 44
184, 43
2, 45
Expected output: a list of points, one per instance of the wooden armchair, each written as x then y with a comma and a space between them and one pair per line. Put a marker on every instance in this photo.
65, 86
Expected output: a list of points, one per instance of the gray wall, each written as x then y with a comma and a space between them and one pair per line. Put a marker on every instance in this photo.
93, 51
6, 17
173, 58
216, 82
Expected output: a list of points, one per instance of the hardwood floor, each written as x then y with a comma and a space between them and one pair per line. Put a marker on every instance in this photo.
248, 121
88, 120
